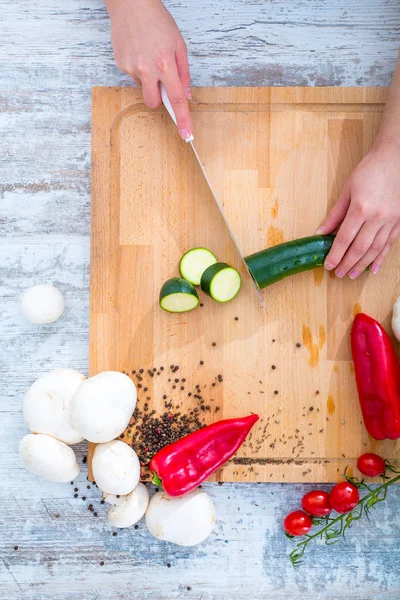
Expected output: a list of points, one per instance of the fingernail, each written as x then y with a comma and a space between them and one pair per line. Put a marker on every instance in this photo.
319, 230
375, 269
185, 133
188, 94
339, 273
328, 266
354, 274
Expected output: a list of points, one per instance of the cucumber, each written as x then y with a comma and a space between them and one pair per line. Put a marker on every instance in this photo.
194, 262
178, 295
221, 282
278, 262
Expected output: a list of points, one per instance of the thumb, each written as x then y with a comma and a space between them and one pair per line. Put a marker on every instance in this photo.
337, 212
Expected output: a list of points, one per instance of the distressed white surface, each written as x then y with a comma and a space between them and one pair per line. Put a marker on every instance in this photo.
50, 55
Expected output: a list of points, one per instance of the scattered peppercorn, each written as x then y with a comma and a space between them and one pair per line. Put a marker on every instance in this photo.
95, 514
115, 533
137, 526
214, 344
15, 547
276, 392
236, 318
75, 495
84, 460
202, 362
298, 345
102, 563
273, 367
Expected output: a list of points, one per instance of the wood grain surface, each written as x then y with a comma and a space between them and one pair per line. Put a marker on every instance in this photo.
277, 159
51, 55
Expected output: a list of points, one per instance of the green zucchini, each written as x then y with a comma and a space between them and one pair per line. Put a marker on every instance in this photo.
178, 295
278, 262
194, 262
221, 282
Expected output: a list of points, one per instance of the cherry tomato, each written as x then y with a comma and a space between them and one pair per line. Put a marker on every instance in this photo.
371, 465
344, 497
316, 503
297, 523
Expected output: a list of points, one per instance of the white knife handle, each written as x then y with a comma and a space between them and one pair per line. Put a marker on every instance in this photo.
169, 108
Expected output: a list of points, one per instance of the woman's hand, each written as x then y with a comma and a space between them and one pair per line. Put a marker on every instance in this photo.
367, 214
150, 48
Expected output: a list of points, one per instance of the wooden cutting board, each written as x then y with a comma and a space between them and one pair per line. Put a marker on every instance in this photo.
277, 158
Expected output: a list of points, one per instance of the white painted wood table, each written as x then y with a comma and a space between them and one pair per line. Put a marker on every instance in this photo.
51, 54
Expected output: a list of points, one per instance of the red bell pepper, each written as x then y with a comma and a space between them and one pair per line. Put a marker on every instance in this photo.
182, 466
377, 373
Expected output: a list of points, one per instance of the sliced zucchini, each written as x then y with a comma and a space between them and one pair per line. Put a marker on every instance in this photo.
278, 262
194, 262
178, 295
221, 282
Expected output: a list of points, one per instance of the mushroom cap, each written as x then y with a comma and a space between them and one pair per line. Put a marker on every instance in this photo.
114, 499
42, 304
131, 510
48, 457
47, 405
186, 521
102, 406
116, 467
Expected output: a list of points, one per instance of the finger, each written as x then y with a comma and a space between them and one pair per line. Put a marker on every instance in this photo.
182, 63
345, 236
173, 87
337, 212
394, 234
151, 92
373, 251
358, 248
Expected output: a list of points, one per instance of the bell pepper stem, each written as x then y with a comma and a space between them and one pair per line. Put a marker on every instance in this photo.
156, 480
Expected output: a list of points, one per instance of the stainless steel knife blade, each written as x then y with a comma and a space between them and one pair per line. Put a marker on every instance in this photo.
170, 110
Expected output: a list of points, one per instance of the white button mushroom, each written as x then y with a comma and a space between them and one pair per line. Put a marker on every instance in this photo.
42, 304
186, 521
396, 319
116, 467
47, 405
48, 457
103, 405
131, 510
114, 499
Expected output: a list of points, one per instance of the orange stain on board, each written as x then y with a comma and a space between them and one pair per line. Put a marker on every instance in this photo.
335, 369
318, 275
311, 347
351, 367
332, 274
357, 309
322, 337
330, 404
275, 236
275, 209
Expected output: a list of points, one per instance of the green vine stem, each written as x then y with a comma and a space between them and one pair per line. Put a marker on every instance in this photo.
334, 528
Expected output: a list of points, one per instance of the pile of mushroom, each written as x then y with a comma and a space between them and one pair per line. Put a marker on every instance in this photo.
63, 408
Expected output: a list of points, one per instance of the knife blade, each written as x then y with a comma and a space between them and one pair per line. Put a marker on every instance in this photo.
190, 140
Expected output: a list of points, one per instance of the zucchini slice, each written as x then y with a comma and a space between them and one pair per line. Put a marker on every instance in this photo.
221, 282
278, 262
194, 262
178, 295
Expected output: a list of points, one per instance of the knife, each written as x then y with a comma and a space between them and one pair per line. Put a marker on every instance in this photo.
189, 140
